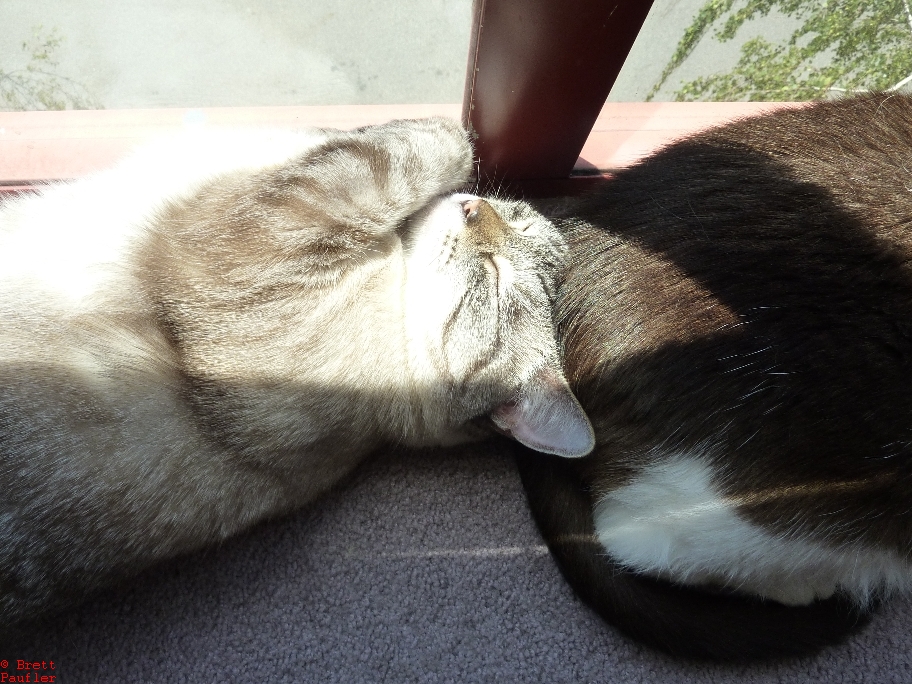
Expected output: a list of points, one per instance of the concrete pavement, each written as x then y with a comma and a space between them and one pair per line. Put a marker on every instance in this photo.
203, 53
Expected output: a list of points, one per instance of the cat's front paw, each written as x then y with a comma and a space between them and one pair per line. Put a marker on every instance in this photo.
795, 593
435, 152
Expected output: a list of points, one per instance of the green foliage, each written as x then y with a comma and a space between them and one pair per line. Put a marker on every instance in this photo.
38, 86
841, 46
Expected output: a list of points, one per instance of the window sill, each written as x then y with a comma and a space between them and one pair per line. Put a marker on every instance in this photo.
41, 146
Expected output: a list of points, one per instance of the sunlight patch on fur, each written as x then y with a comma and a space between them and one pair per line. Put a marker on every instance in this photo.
671, 521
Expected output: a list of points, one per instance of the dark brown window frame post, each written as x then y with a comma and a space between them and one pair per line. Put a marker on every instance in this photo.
539, 72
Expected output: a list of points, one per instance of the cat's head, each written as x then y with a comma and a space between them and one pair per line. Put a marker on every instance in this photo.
481, 281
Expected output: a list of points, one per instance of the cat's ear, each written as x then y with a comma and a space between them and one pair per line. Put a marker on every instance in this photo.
547, 417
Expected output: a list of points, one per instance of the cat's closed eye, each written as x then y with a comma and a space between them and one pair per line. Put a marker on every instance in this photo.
524, 226
501, 271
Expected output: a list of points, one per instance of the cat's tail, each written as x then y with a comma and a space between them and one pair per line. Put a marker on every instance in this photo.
680, 620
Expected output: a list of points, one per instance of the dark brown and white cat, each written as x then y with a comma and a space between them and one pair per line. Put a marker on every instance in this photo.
224, 325
737, 323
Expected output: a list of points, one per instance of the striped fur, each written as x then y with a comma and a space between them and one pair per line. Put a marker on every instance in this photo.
222, 327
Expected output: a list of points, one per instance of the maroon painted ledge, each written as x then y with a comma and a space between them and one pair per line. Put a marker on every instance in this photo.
41, 146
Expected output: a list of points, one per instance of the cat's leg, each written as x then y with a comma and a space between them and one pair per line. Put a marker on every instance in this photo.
685, 620
296, 254
317, 215
366, 182
673, 521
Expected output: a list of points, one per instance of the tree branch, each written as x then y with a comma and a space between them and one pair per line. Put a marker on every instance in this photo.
908, 78
908, 13
897, 86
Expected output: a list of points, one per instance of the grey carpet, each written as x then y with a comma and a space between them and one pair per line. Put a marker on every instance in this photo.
427, 567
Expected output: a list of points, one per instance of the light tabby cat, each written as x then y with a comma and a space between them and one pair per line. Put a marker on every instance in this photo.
223, 326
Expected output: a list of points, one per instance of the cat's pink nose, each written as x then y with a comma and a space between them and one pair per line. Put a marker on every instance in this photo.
471, 208
483, 225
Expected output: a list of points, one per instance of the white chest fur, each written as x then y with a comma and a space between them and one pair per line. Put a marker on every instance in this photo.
671, 521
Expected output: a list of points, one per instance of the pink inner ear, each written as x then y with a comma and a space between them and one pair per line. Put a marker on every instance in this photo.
547, 418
